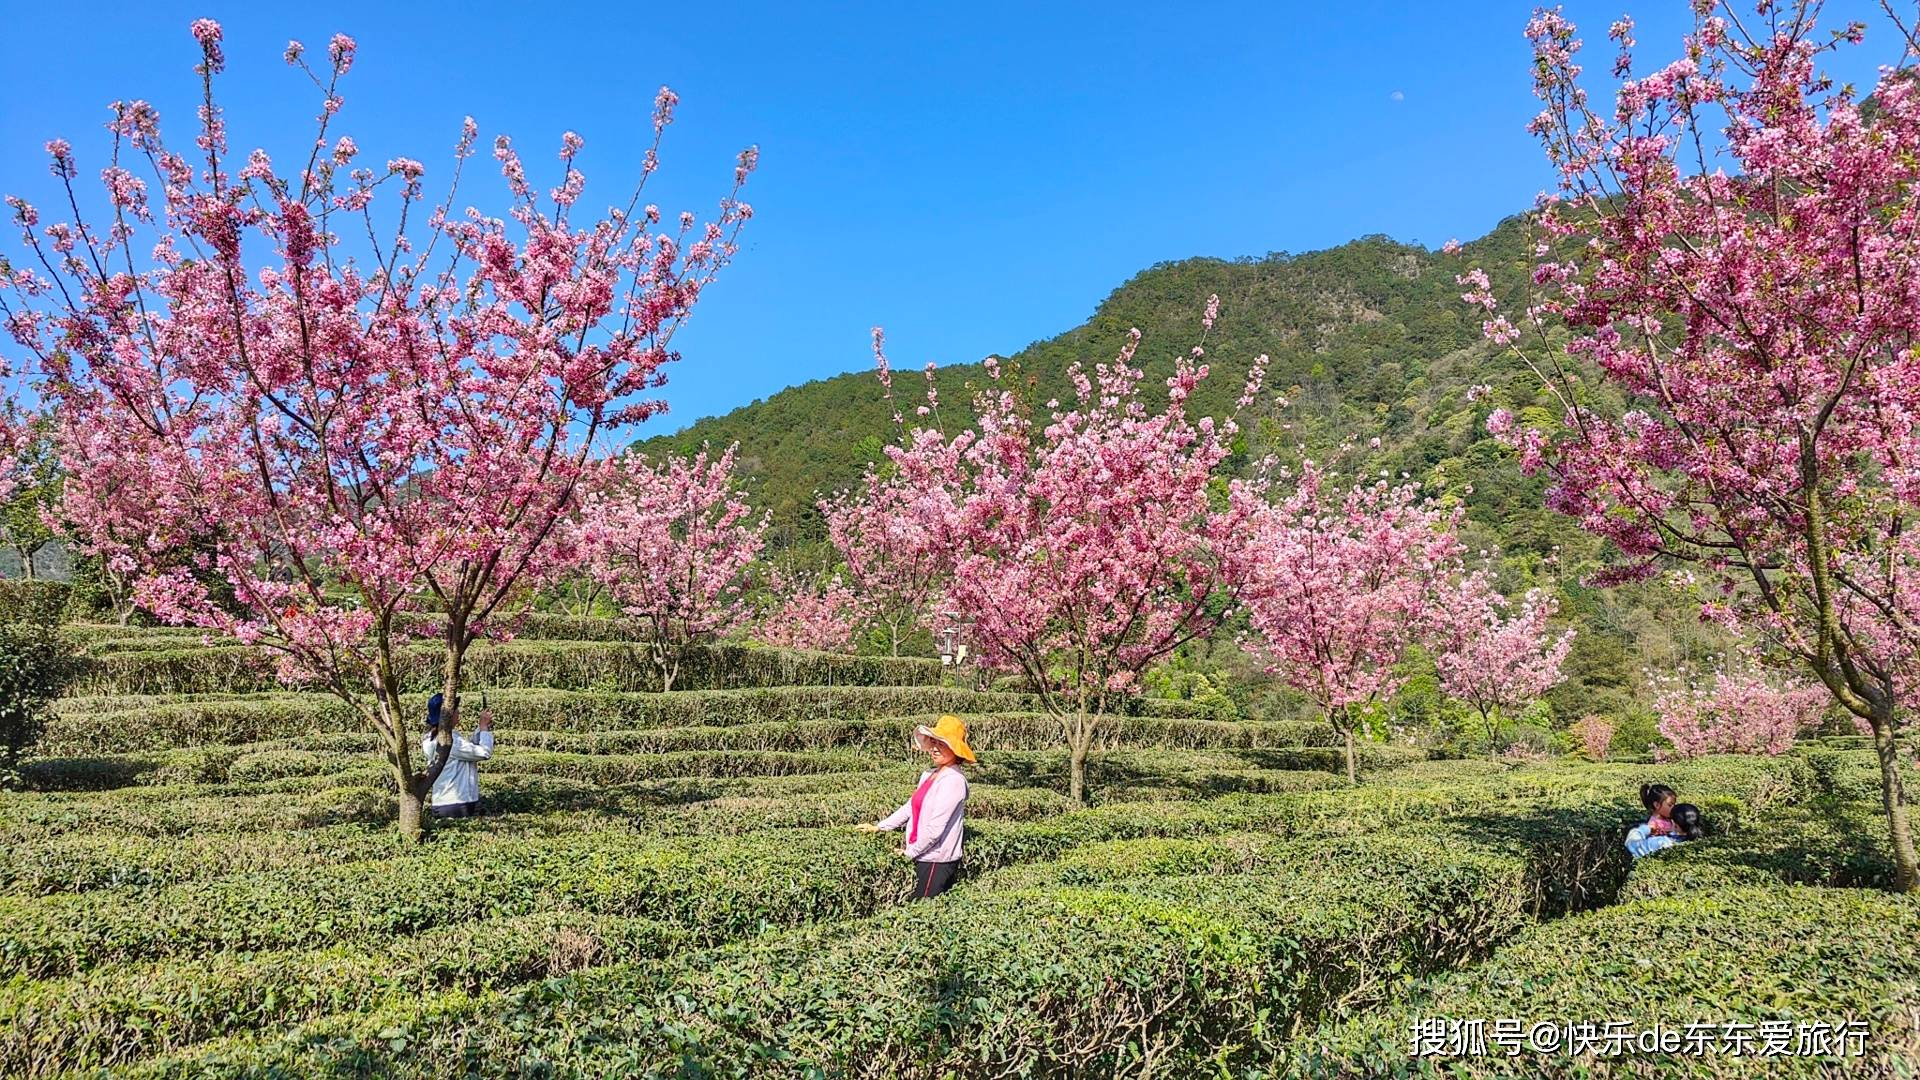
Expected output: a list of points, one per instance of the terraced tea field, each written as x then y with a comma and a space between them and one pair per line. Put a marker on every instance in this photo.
206, 883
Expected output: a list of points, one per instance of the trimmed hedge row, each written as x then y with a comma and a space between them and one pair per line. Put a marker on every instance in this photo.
1840, 846
1854, 775
1738, 954
560, 664
717, 889
767, 718
243, 765
1143, 972
109, 1018
135, 723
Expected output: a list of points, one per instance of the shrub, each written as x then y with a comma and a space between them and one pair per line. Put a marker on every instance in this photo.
1854, 775
276, 764
1593, 735
1734, 954
36, 664
560, 664
1841, 846
110, 1017
40, 602
716, 888
1178, 971
110, 724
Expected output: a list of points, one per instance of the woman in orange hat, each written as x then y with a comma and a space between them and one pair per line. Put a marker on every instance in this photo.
935, 818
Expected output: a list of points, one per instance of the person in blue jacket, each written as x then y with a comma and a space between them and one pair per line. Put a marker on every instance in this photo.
1643, 841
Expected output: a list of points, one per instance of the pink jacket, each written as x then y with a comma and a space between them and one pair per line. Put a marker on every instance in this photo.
943, 816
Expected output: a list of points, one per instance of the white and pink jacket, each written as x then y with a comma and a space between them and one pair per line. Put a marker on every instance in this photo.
935, 818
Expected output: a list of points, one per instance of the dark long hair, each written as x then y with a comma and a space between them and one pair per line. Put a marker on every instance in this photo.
1686, 822
1652, 795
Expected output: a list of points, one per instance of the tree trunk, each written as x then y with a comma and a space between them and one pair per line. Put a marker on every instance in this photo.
1493, 733
413, 817
26, 562
1077, 764
1906, 871
1353, 775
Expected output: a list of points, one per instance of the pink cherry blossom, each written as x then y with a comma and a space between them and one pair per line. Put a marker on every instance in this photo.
336, 438
1492, 656
810, 611
1741, 711
1343, 582
672, 543
1593, 733
1758, 311
1078, 549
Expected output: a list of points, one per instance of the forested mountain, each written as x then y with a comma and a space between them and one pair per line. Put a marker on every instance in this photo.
1367, 340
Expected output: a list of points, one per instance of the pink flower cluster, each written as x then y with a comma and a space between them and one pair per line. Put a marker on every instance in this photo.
336, 439
1593, 734
672, 543
1741, 711
1492, 656
810, 612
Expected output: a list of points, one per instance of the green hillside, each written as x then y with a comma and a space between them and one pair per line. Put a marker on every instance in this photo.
1367, 340
1367, 330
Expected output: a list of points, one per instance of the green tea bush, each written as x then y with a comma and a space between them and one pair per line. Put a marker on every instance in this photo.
1834, 845
573, 665
1850, 775
715, 887
1139, 975
121, 723
1734, 954
108, 1018
42, 602
276, 764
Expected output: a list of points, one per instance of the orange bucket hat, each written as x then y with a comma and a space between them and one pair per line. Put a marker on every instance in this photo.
951, 730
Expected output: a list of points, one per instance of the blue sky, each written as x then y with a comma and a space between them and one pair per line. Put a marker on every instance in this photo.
973, 178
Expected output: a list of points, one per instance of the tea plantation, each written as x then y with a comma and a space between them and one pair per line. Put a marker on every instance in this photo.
205, 882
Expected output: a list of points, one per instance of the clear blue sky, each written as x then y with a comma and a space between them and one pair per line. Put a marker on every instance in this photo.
972, 179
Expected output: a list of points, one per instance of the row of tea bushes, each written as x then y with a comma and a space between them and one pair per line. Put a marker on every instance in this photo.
1143, 973
556, 664
1853, 775
713, 889
1834, 845
217, 765
1723, 955
112, 1017
770, 718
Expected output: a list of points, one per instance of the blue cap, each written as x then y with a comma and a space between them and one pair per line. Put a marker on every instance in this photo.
433, 709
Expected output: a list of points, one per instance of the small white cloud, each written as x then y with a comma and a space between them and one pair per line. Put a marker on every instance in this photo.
1397, 96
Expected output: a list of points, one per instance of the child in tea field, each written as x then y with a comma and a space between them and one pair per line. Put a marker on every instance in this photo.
456, 792
1685, 825
1659, 799
935, 817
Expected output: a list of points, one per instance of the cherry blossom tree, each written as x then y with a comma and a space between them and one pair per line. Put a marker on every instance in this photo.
810, 611
891, 557
1594, 735
1086, 547
887, 530
1492, 656
348, 403
1734, 248
1344, 582
1738, 711
672, 544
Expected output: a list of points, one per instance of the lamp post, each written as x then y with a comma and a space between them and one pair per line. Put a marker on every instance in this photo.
953, 644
